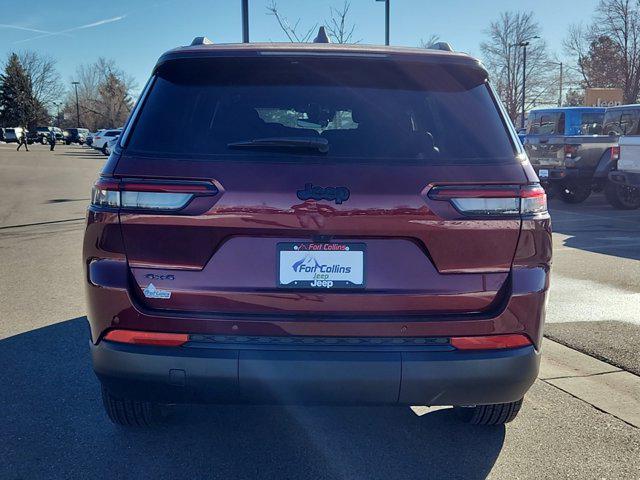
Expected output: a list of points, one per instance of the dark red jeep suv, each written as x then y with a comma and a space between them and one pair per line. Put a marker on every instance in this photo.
317, 224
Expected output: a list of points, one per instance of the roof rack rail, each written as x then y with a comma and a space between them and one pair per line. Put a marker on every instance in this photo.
201, 41
322, 36
444, 46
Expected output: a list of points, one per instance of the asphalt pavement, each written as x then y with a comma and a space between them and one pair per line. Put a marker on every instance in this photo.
53, 425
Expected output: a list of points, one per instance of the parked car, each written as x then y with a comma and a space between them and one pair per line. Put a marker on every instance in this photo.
324, 236
12, 135
624, 189
573, 164
569, 121
110, 145
101, 138
39, 135
89, 140
1, 134
75, 135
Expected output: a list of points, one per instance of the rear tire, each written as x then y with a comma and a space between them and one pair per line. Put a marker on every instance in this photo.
130, 413
574, 193
622, 197
104, 149
496, 414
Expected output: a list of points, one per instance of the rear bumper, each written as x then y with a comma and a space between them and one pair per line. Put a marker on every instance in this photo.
630, 179
276, 374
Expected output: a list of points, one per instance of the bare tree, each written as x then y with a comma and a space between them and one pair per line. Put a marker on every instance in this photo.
104, 95
431, 39
576, 45
620, 21
45, 79
504, 59
338, 27
292, 32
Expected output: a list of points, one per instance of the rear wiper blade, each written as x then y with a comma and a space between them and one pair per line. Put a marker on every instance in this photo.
309, 143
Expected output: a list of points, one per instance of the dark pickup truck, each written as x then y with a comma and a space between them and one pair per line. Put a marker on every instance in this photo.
573, 166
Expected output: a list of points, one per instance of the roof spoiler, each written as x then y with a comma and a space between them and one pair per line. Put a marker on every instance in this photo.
201, 41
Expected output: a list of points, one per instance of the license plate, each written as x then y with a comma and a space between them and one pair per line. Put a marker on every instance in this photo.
321, 265
543, 174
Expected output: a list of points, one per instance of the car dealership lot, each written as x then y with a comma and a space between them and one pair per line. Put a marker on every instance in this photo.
54, 426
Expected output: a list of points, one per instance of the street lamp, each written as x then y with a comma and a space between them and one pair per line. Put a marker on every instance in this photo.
386, 20
57, 104
524, 44
75, 84
560, 93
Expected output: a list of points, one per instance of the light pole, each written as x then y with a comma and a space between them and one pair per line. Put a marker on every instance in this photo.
75, 84
386, 20
560, 64
524, 44
57, 104
245, 21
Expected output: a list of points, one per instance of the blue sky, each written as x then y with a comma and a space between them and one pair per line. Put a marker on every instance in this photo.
135, 33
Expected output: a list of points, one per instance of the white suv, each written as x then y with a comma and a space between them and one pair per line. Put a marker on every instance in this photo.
101, 138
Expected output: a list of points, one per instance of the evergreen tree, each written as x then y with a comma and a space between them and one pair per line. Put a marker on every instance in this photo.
18, 106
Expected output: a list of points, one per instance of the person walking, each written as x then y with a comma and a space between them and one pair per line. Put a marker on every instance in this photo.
52, 140
23, 140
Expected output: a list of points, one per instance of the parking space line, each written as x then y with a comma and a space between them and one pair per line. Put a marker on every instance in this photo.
616, 218
596, 247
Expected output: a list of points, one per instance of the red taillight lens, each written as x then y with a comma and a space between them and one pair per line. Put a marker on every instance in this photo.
615, 153
148, 195
508, 200
147, 338
490, 342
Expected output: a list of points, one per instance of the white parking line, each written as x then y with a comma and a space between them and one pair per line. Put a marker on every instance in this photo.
615, 217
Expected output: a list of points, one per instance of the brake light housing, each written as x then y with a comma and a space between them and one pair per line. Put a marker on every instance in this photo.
615, 153
148, 195
493, 200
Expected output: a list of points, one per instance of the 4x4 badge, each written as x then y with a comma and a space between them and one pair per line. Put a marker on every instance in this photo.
337, 194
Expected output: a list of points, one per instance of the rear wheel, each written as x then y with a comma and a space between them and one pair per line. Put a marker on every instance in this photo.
129, 413
622, 197
574, 193
104, 149
495, 414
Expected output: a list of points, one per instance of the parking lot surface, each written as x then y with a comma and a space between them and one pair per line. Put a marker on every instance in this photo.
54, 427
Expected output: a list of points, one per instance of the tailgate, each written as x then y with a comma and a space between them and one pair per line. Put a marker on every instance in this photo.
221, 254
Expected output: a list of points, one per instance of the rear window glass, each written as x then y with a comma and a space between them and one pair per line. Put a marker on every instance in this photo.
365, 109
546, 123
591, 123
621, 122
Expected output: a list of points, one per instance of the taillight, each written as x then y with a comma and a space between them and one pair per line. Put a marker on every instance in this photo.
148, 194
159, 339
508, 200
615, 153
490, 342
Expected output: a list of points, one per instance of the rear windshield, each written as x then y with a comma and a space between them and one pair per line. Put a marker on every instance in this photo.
622, 122
361, 108
591, 123
546, 123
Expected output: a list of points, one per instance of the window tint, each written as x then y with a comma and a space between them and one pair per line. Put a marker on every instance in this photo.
591, 123
372, 110
546, 123
622, 122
